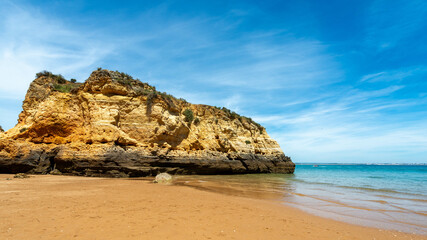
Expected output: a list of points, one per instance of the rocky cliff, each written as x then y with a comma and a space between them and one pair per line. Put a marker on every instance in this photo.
114, 125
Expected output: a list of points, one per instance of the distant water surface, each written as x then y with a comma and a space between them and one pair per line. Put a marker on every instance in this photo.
384, 196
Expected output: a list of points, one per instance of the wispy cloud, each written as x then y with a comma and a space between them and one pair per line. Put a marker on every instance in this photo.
351, 127
356, 143
395, 75
31, 42
351, 101
291, 63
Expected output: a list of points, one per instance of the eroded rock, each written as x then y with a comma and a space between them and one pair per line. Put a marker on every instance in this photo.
114, 125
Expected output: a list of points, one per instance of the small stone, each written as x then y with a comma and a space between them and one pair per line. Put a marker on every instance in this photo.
55, 172
8, 178
163, 178
21, 175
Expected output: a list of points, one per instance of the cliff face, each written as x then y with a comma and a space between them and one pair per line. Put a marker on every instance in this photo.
115, 125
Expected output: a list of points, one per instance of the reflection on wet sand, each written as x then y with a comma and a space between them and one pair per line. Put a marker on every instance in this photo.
260, 186
353, 205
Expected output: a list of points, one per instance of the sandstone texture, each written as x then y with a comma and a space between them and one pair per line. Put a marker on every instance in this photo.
114, 125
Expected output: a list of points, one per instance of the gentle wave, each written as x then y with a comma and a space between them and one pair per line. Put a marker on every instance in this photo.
383, 190
402, 198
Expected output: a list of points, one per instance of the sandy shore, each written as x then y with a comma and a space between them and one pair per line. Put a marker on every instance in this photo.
63, 207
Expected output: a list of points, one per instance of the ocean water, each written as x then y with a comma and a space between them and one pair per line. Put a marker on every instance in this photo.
383, 196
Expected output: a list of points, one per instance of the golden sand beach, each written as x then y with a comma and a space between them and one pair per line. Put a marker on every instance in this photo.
68, 207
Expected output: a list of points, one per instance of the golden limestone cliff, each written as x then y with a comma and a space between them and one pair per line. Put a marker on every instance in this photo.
113, 125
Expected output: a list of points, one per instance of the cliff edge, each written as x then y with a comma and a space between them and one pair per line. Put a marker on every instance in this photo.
114, 125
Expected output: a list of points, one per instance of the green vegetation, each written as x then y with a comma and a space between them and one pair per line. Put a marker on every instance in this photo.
123, 78
67, 87
1, 129
233, 115
189, 116
57, 77
60, 79
150, 97
142, 91
165, 95
152, 94
168, 99
23, 130
248, 142
61, 84
64, 88
43, 73
255, 123
197, 121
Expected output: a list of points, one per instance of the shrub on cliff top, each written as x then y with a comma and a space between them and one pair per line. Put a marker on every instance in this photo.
43, 73
168, 99
123, 78
233, 115
1, 129
189, 116
58, 78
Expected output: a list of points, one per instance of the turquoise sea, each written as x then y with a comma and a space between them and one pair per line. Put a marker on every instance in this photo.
383, 196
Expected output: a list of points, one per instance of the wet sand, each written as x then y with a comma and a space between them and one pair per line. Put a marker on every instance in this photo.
65, 207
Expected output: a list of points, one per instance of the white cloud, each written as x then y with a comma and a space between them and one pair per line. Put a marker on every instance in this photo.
353, 128
395, 75
354, 142
31, 42
351, 101
292, 63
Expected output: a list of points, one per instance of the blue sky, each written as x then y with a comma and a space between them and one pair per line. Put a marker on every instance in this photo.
332, 81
